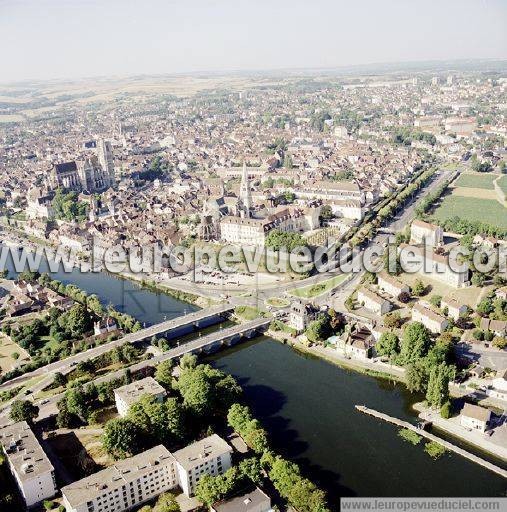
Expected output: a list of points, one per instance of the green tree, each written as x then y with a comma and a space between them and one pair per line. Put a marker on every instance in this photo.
415, 342
163, 373
23, 410
416, 377
419, 288
196, 390
120, 438
388, 344
437, 393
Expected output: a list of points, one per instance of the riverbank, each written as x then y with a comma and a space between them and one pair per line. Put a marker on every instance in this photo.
494, 445
366, 367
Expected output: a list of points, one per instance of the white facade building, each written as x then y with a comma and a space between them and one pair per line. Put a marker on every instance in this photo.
475, 417
128, 483
425, 233
30, 466
209, 456
391, 285
416, 259
433, 321
375, 303
129, 394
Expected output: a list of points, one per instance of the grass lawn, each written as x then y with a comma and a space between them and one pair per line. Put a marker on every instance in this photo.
502, 183
319, 288
472, 209
7, 348
476, 181
247, 312
278, 302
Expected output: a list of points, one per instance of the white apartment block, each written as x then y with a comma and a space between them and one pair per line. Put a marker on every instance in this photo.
433, 321
131, 482
436, 266
126, 484
391, 285
129, 394
209, 456
30, 466
425, 233
373, 302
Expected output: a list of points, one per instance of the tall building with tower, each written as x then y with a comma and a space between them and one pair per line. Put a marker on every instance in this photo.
93, 173
245, 195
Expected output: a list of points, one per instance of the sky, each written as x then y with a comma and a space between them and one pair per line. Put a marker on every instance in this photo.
46, 39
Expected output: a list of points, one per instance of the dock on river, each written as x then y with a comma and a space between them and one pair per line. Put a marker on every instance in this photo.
428, 435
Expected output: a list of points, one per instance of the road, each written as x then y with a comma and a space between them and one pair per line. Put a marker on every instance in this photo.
495, 359
68, 363
48, 407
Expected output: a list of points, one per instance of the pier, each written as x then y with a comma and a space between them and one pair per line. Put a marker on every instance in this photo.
428, 435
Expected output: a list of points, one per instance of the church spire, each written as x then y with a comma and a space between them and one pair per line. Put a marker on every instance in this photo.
245, 194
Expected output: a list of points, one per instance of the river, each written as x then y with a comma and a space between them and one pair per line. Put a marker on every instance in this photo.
307, 405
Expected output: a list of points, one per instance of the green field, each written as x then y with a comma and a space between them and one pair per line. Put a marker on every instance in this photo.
319, 288
502, 183
472, 209
476, 181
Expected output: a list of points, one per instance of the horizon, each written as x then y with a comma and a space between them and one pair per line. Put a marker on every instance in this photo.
55, 40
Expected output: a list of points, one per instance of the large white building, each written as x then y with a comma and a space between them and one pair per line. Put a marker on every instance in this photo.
129, 394
416, 259
131, 482
126, 484
209, 456
425, 233
251, 231
30, 466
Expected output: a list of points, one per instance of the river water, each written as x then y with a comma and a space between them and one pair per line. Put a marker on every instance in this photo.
307, 405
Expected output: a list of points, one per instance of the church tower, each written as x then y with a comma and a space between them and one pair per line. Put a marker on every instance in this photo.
105, 156
245, 194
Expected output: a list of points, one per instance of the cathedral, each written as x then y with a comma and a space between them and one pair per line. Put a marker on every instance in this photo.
92, 174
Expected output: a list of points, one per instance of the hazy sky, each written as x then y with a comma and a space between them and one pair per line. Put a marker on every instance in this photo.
73, 38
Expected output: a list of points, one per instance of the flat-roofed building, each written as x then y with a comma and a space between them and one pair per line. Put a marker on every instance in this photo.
129, 394
254, 501
28, 463
433, 321
209, 456
128, 483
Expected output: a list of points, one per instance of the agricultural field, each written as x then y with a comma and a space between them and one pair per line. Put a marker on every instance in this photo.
472, 209
469, 180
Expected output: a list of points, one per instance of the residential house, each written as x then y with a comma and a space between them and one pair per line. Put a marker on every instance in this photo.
475, 417
254, 501
455, 309
433, 321
373, 302
391, 284
425, 233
